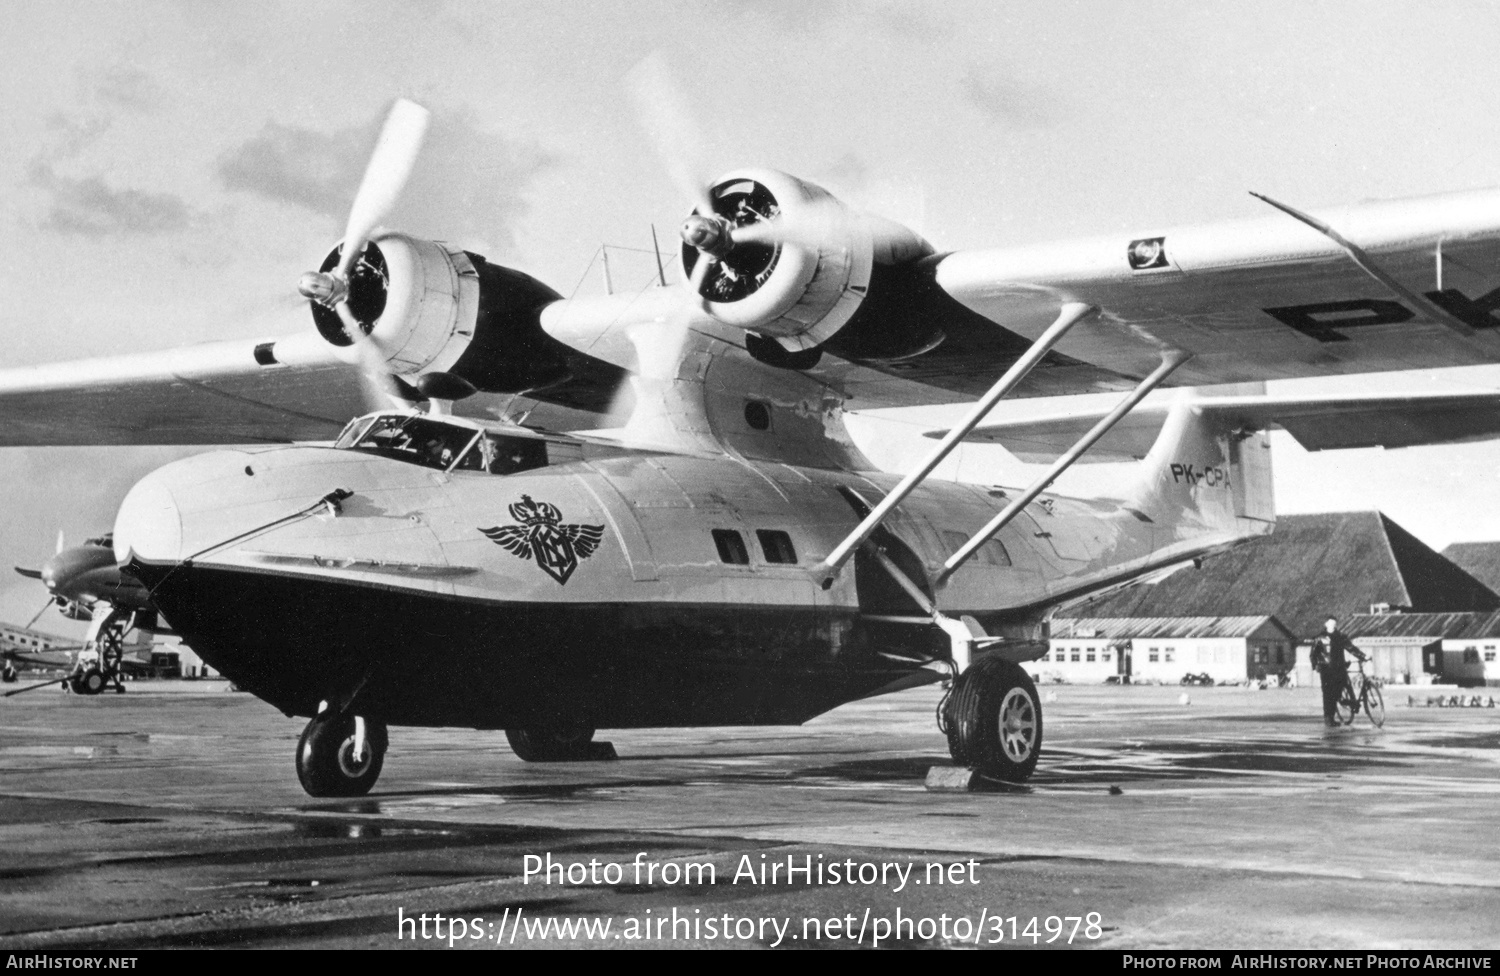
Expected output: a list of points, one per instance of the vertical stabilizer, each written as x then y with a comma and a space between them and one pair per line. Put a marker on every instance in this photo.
1204, 473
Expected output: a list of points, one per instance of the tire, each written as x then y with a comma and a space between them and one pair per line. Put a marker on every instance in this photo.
91, 682
325, 757
994, 721
1374, 704
1347, 707
551, 744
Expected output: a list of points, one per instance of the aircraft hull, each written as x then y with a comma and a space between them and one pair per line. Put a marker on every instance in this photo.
435, 660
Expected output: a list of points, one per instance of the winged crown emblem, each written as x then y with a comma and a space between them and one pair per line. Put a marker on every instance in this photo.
556, 547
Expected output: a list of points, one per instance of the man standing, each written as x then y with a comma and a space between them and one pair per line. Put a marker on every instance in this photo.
1333, 667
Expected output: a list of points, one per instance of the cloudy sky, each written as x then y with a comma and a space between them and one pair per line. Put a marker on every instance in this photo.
169, 168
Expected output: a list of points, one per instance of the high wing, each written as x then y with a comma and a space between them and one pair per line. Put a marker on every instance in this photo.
1318, 423
215, 393
810, 290
1406, 284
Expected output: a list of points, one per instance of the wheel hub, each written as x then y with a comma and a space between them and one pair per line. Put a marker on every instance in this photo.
1017, 725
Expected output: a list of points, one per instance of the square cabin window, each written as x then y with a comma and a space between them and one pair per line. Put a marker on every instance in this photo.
731, 547
776, 545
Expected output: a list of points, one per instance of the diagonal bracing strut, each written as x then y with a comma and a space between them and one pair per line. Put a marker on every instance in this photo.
1169, 362
1070, 314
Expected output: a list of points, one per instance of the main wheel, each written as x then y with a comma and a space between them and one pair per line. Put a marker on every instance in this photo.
1374, 704
551, 744
994, 720
326, 763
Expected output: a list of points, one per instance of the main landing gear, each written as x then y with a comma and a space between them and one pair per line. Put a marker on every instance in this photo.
993, 720
341, 755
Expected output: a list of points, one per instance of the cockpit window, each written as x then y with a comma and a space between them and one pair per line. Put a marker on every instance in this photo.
433, 443
410, 438
504, 455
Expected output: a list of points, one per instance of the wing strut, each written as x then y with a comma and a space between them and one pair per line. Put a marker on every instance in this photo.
1169, 362
1070, 315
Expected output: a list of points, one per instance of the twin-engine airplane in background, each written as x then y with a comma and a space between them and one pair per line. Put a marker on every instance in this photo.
727, 556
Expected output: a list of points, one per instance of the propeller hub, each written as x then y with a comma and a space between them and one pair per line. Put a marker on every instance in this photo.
711, 235
325, 289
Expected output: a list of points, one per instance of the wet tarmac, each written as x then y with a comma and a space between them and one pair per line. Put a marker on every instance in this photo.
171, 816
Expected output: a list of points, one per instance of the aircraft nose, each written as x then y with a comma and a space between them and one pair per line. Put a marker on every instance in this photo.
67, 570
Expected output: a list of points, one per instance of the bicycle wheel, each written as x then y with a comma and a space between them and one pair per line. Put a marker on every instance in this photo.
1347, 706
1374, 703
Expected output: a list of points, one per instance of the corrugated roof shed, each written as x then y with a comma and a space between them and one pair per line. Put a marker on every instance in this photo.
1434, 626
1145, 628
1480, 560
1313, 565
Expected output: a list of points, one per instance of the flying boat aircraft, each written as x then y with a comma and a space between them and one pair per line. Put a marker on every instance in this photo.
726, 555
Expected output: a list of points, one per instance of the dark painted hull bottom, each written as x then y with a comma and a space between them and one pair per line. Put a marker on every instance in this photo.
430, 660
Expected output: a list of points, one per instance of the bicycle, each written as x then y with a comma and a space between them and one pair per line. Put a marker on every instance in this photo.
1366, 696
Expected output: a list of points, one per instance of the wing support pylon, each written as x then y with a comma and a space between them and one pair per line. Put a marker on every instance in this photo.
1070, 315
1169, 363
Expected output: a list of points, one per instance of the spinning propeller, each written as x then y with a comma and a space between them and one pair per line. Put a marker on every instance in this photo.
385, 177
669, 122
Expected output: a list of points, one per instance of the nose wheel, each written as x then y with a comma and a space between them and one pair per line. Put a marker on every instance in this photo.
994, 721
341, 755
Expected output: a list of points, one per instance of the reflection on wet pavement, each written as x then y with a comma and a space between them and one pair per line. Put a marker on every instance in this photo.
178, 821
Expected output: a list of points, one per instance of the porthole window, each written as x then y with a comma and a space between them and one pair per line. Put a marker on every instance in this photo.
757, 415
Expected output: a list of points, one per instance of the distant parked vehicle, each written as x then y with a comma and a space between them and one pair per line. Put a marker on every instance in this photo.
1201, 678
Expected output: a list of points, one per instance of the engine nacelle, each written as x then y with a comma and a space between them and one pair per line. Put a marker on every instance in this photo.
807, 285
431, 307
419, 300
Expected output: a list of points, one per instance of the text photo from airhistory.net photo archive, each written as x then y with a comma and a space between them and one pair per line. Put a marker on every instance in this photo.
743, 474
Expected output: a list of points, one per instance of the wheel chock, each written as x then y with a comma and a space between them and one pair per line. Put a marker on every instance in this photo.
951, 779
962, 779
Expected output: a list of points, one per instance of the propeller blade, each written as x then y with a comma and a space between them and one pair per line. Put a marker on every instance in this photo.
664, 113
385, 177
706, 263
60, 545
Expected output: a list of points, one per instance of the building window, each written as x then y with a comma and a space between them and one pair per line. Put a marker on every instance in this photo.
1471, 655
1090, 655
1104, 656
1489, 657
777, 546
731, 547
1075, 653
1153, 653
1169, 655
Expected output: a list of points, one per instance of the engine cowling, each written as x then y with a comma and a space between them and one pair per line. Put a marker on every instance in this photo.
433, 308
806, 285
417, 299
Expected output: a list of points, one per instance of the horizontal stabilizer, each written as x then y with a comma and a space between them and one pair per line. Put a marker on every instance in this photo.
1318, 423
